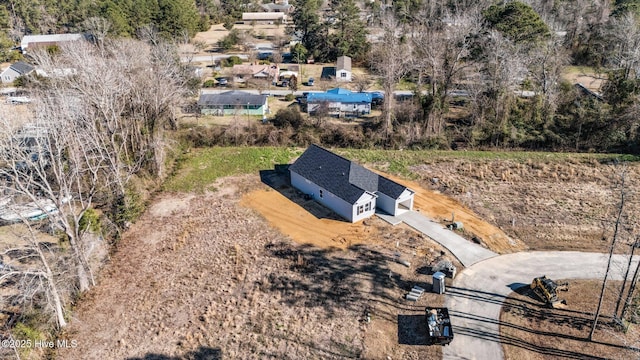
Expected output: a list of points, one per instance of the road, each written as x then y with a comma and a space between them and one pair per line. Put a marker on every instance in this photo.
211, 58
475, 299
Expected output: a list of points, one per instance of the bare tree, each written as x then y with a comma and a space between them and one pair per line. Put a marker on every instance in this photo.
503, 69
614, 240
103, 112
362, 82
442, 52
33, 273
546, 63
634, 245
390, 58
624, 35
98, 28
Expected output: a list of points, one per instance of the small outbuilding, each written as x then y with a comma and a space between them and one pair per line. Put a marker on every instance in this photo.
349, 189
234, 103
343, 69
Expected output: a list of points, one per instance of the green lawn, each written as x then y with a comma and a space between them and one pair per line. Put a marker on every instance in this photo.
201, 167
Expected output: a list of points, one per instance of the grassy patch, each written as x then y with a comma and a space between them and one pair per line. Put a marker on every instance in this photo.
202, 167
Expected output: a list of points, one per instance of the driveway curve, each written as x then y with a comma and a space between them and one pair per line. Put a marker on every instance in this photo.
477, 293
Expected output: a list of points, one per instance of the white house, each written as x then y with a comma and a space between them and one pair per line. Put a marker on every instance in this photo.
350, 190
32, 41
343, 69
264, 17
339, 102
16, 70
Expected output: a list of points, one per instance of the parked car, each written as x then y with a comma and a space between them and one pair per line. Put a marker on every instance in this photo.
310, 82
222, 81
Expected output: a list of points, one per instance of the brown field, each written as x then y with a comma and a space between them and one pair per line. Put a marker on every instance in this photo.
531, 331
253, 271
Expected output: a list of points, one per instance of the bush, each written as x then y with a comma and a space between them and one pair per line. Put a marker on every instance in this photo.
229, 41
209, 83
289, 97
231, 60
90, 220
288, 117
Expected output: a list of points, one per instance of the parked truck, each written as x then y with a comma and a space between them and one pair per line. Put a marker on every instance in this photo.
439, 331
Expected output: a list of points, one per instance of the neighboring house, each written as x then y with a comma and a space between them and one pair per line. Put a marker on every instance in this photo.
34, 41
343, 69
350, 190
264, 17
244, 72
339, 102
16, 70
233, 103
588, 92
283, 7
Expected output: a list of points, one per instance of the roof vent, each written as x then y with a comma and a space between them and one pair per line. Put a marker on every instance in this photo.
342, 173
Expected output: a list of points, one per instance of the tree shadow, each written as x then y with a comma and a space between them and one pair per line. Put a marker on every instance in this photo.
412, 330
279, 179
203, 353
335, 279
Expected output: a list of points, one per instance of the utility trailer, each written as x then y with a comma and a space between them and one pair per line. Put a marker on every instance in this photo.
439, 331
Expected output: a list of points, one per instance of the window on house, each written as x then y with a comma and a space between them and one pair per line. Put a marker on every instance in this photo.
367, 207
360, 209
321, 193
343, 74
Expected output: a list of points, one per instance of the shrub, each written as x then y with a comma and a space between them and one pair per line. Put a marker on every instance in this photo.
209, 83
231, 60
289, 97
90, 220
288, 117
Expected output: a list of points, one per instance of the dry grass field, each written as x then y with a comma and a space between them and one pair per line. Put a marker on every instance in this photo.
242, 269
530, 331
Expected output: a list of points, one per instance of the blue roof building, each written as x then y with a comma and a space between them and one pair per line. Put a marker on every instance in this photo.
339, 102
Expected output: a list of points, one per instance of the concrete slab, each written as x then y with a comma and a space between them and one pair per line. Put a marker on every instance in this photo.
467, 252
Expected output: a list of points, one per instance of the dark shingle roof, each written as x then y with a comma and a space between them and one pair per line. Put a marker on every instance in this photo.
22, 67
342, 177
232, 98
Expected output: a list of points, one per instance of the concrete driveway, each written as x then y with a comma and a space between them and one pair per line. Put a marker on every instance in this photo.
467, 252
475, 299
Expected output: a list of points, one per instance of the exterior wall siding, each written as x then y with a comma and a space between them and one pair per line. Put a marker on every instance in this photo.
328, 199
219, 111
9, 75
343, 75
367, 205
338, 108
387, 204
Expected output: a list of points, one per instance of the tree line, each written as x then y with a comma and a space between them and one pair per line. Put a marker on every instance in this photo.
508, 57
97, 139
